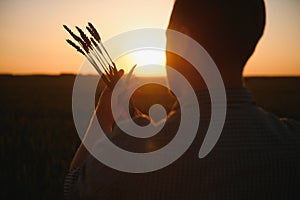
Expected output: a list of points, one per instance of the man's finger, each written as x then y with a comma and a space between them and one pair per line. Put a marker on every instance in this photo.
121, 72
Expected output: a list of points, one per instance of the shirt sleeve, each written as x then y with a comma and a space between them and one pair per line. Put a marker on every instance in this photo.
94, 180
70, 183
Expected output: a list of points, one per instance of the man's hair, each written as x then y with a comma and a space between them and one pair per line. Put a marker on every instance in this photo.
228, 29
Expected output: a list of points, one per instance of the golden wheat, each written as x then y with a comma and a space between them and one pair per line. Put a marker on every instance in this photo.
95, 52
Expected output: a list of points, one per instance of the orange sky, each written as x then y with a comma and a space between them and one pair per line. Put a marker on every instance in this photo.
33, 40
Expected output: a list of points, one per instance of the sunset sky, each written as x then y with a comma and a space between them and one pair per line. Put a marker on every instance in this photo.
33, 40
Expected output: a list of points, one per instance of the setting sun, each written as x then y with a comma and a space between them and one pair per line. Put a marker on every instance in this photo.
149, 62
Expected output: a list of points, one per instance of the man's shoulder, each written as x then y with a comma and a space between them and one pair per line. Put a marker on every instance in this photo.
287, 127
291, 124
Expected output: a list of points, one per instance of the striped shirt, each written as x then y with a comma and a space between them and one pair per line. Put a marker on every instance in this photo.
256, 157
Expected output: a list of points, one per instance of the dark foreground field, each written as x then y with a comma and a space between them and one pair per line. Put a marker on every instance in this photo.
38, 137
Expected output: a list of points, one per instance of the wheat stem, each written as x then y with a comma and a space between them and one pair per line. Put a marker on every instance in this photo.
96, 53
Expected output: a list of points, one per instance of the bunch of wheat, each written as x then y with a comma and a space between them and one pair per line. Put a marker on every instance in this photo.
96, 54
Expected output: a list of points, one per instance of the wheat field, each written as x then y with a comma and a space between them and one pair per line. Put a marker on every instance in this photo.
38, 137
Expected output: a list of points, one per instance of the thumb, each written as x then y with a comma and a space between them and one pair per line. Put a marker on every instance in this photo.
120, 72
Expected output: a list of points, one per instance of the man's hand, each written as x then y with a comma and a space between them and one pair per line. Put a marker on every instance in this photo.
103, 110
105, 118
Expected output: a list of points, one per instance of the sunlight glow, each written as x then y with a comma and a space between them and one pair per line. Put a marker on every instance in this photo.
149, 62
46, 51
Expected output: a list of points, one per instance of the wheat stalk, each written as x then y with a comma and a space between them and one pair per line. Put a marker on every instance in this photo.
95, 52
75, 46
93, 31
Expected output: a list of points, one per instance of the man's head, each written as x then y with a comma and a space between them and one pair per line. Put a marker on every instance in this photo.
228, 30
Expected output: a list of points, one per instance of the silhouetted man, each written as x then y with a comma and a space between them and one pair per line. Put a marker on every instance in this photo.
257, 155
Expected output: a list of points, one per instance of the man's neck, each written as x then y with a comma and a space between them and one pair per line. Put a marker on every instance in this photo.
229, 80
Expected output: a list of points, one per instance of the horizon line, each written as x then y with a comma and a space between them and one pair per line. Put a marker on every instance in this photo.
143, 76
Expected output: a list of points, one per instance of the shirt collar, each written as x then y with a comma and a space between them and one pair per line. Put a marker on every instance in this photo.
234, 96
